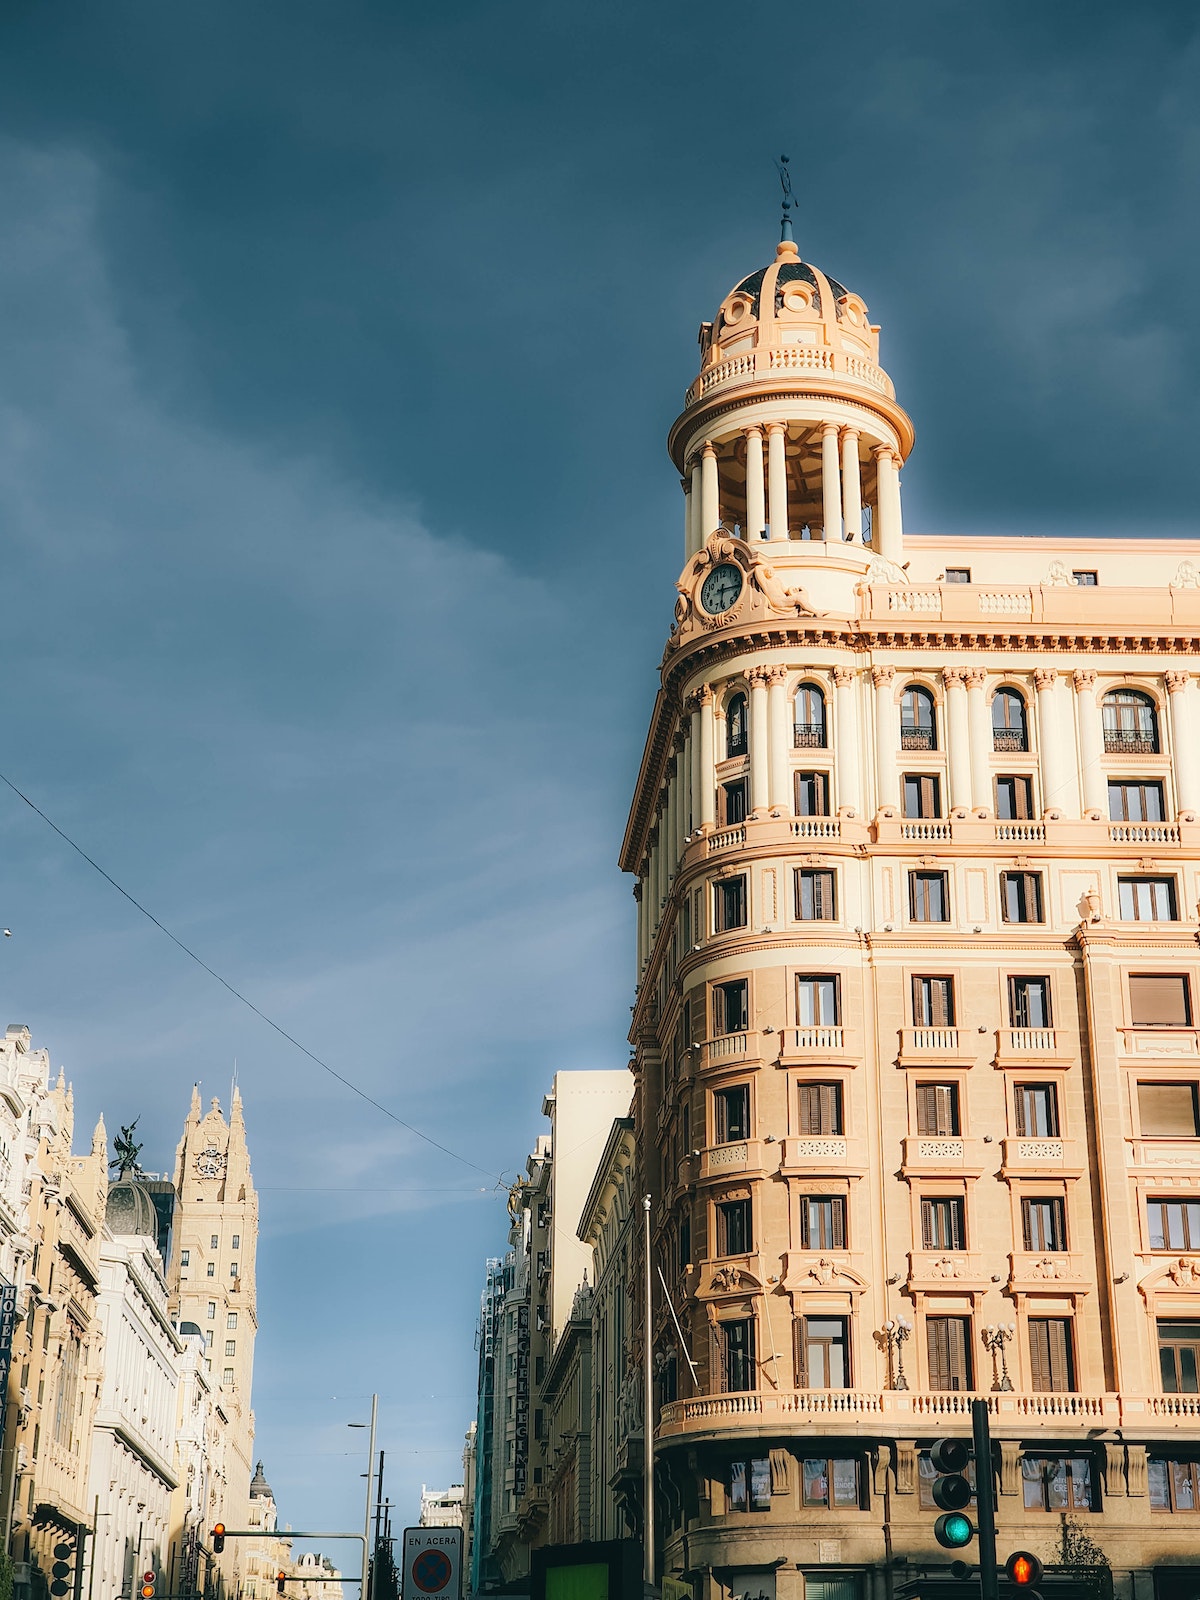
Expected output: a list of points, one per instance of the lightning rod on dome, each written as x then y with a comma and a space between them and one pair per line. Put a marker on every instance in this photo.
789, 199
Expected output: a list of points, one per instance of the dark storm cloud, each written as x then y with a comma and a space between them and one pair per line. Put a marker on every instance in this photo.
338, 538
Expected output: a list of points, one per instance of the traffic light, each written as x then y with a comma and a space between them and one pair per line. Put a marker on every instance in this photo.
952, 1491
218, 1538
147, 1586
60, 1572
1024, 1572
280, 1583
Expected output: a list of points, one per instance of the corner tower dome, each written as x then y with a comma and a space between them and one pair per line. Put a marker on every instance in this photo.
791, 432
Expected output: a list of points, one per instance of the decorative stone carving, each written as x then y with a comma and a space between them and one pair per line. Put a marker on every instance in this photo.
1058, 576
976, 677
825, 1270
1186, 576
843, 677
727, 1279
1046, 1267
1010, 1466
1045, 678
1177, 682
1083, 680
763, 593
1112, 1464
882, 675
781, 1471
1135, 1469
882, 570
1184, 1273
906, 1466
945, 1267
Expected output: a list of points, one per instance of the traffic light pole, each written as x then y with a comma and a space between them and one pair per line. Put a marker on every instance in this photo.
985, 1501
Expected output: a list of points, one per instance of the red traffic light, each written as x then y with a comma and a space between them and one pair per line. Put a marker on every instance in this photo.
147, 1577
218, 1537
1023, 1569
281, 1582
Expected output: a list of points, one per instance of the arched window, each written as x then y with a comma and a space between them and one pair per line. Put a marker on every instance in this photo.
809, 728
1009, 728
1130, 722
918, 730
737, 740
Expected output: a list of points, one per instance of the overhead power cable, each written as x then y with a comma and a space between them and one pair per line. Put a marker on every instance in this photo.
238, 995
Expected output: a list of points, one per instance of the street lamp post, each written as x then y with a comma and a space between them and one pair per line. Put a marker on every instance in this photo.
366, 1559
995, 1337
896, 1330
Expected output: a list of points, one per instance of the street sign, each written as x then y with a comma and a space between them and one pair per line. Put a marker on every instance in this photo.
432, 1567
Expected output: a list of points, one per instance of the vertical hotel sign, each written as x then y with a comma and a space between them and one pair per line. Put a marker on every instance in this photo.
8, 1322
521, 1443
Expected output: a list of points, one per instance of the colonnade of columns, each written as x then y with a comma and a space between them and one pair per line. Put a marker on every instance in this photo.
767, 491
1070, 743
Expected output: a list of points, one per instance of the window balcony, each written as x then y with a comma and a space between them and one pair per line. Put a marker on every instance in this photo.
1142, 833
1036, 1271
1130, 742
918, 739
1046, 1047
1009, 739
1160, 1044
819, 1038
808, 735
726, 1047
921, 1046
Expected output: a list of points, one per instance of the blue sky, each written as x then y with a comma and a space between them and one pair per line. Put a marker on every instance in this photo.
337, 537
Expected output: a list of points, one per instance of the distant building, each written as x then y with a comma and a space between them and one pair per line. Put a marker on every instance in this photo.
321, 1579
442, 1508
270, 1552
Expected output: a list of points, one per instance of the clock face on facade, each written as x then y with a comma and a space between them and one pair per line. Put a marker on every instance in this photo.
721, 589
210, 1163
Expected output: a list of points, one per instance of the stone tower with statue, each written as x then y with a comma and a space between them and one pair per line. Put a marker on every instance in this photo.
212, 1289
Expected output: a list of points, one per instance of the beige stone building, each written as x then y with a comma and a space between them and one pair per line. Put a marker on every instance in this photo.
211, 1278
917, 862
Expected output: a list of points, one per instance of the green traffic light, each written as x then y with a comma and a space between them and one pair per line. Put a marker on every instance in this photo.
953, 1530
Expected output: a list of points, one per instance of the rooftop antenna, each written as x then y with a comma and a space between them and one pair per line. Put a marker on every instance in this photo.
789, 199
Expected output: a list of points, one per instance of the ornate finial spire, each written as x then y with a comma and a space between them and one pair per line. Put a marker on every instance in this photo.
789, 199
100, 1138
195, 1109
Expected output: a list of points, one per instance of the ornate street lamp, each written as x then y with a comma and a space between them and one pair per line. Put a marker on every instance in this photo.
995, 1337
896, 1331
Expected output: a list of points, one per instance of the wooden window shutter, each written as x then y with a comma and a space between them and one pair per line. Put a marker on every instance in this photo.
1160, 1001
926, 1108
942, 1003
839, 1223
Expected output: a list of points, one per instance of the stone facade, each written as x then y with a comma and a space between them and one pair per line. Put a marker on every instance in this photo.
917, 864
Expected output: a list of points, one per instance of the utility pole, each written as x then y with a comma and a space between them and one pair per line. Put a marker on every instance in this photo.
648, 1430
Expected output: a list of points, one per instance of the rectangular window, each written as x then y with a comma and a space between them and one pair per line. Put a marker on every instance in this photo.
825, 1353
812, 794
1029, 1003
1179, 1357
817, 1002
235, 1242
1084, 580
210, 1269
942, 1224
733, 802
185, 1257
1135, 800
735, 1233
822, 1222
231, 1319
928, 900
215, 1241
731, 1114
1051, 1357
831, 1481
821, 1108
233, 1269
1168, 1110
937, 1110
227, 1377
922, 795
1044, 1223
1057, 1483
933, 1002
750, 1485
1014, 798
1159, 1001
1174, 1224
729, 903
1146, 899
948, 1341
231, 1347
1036, 1110
730, 1007
1174, 1485
815, 895
958, 574
737, 1352
212, 1310
927, 1477
1021, 896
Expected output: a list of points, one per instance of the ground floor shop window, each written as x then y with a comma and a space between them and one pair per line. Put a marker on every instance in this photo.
1057, 1483
1174, 1485
750, 1485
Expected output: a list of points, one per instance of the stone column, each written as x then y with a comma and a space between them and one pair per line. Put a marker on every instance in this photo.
887, 738
760, 740
696, 499
781, 738
889, 528
1183, 740
845, 734
1058, 777
710, 493
683, 771
777, 506
958, 738
980, 719
1091, 743
851, 486
831, 483
639, 894
708, 773
756, 511
689, 547
667, 832
696, 712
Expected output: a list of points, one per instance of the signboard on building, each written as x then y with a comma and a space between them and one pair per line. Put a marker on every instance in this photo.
8, 1321
756, 1584
521, 1431
432, 1567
